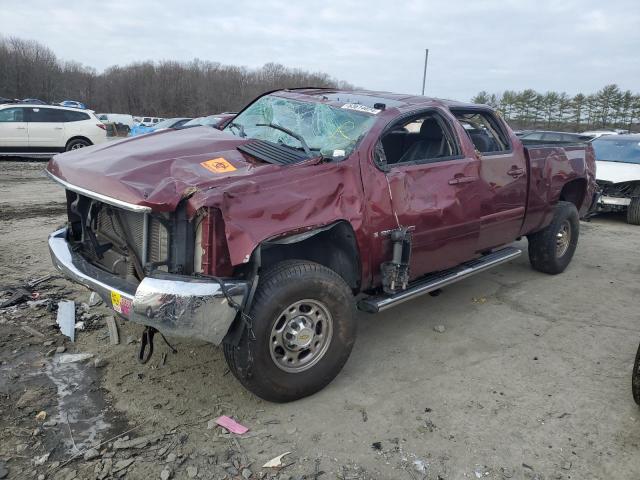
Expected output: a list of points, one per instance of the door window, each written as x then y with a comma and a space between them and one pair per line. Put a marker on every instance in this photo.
533, 136
553, 137
49, 115
12, 115
422, 139
484, 131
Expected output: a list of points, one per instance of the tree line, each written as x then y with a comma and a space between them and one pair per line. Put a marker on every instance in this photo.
29, 69
608, 108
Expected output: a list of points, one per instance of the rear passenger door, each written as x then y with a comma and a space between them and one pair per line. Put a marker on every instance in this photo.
46, 128
503, 171
434, 190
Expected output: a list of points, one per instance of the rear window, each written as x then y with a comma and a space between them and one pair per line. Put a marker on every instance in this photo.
484, 131
75, 116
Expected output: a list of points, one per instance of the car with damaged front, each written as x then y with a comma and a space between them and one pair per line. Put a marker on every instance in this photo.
266, 234
618, 164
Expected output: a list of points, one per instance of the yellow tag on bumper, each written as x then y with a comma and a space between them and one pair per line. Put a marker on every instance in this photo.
120, 304
218, 165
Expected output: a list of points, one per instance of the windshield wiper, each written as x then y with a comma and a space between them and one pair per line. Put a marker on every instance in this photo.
298, 137
239, 127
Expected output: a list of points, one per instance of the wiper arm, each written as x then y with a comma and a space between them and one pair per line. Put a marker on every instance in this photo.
298, 137
239, 127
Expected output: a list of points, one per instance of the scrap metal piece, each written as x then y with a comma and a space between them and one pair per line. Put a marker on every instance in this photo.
67, 318
113, 330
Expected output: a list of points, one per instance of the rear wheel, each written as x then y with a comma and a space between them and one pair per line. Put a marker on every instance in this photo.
303, 330
551, 249
633, 211
76, 144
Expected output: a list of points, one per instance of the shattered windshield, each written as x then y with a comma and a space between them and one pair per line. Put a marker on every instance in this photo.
306, 126
626, 151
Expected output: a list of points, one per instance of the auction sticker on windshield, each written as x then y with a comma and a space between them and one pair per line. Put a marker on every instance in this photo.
360, 108
120, 304
218, 165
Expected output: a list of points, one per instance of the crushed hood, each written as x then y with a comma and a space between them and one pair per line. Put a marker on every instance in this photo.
159, 169
616, 172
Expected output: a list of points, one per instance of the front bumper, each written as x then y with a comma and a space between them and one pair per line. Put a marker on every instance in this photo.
174, 304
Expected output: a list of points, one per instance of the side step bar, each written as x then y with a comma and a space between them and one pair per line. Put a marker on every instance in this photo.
438, 280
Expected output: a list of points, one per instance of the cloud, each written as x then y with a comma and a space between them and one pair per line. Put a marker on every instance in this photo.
488, 45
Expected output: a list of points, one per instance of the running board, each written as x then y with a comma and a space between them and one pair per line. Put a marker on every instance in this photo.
438, 280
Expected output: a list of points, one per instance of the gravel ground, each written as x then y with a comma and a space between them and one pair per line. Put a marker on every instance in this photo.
509, 374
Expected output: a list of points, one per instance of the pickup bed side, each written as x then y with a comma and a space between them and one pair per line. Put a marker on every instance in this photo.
557, 173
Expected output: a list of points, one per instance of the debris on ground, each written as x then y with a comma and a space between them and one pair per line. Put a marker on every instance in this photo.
41, 416
114, 336
439, 328
67, 318
74, 357
17, 295
94, 299
276, 462
231, 425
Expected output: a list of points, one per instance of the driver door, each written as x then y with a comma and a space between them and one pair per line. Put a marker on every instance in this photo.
435, 191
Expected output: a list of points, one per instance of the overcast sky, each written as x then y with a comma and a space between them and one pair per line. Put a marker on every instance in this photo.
491, 45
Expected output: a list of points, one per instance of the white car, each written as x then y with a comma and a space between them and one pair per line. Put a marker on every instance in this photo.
44, 130
618, 174
150, 121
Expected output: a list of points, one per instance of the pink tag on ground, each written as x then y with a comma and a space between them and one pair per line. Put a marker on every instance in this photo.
231, 425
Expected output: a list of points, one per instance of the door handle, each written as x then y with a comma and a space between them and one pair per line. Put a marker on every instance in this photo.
57, 128
21, 128
458, 179
515, 172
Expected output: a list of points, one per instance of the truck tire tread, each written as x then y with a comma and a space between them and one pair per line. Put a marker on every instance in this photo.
542, 244
633, 211
251, 363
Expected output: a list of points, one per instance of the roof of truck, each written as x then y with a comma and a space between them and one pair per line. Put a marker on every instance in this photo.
370, 97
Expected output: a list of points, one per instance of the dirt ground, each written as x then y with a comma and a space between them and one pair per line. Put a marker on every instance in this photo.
530, 378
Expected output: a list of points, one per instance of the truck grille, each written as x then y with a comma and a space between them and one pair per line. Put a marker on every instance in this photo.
121, 227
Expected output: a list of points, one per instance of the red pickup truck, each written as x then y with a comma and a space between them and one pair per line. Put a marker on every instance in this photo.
266, 233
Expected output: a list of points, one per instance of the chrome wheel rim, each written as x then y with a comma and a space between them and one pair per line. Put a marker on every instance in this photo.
563, 239
301, 335
76, 146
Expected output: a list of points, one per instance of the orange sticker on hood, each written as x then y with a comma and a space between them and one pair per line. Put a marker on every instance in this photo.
218, 165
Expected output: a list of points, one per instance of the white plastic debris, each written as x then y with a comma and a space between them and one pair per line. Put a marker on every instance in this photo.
74, 357
275, 462
67, 318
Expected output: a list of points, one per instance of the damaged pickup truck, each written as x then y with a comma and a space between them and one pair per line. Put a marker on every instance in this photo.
266, 235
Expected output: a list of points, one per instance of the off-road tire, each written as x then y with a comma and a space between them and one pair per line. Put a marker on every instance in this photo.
251, 362
633, 211
635, 378
77, 143
543, 245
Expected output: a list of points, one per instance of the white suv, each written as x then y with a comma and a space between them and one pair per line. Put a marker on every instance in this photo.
44, 130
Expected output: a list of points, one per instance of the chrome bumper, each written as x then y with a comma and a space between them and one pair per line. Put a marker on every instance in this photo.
621, 202
175, 305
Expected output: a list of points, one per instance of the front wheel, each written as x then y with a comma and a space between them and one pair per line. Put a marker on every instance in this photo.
552, 248
302, 331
